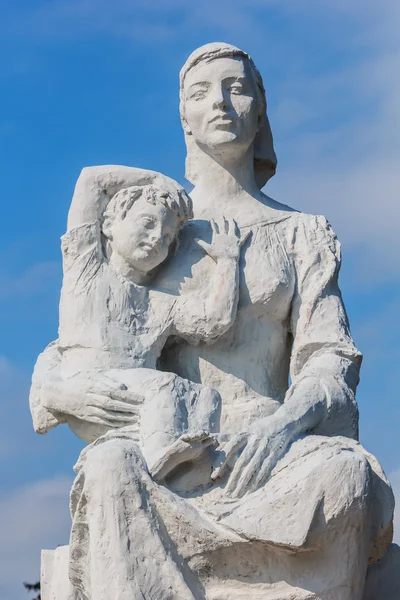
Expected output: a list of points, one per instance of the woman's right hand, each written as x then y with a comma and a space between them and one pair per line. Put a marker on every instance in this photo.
250, 457
104, 402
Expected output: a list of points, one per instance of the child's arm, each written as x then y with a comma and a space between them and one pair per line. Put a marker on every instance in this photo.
96, 185
200, 318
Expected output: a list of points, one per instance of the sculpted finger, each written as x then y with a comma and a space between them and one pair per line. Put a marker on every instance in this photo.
99, 417
127, 398
233, 228
113, 404
98, 400
206, 247
241, 463
123, 407
214, 226
263, 473
226, 225
249, 473
268, 465
220, 225
230, 449
244, 238
112, 417
197, 436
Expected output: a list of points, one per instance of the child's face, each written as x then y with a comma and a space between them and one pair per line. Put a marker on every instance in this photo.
143, 238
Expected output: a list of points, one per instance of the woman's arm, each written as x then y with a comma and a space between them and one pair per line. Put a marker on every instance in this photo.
324, 365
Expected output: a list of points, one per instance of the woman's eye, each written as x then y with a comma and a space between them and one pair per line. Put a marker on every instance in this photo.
198, 95
236, 88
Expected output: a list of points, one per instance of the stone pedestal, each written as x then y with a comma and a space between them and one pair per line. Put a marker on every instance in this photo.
383, 581
54, 582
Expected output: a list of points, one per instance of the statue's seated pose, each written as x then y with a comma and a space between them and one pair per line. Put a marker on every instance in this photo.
287, 504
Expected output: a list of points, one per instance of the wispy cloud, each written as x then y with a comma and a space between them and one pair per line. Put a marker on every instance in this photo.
31, 518
63, 19
334, 105
35, 279
14, 390
338, 137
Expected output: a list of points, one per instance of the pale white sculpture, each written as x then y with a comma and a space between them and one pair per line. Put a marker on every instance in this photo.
278, 500
110, 328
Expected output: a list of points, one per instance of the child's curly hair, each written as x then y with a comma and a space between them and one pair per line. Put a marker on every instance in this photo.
180, 204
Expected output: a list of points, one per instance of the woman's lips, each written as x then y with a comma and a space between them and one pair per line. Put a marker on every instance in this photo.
221, 119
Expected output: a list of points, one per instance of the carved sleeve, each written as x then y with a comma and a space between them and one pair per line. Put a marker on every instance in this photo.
322, 345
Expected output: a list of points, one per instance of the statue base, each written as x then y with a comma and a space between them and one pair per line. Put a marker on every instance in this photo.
383, 582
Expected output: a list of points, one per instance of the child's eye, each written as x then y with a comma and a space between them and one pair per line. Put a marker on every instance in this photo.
148, 223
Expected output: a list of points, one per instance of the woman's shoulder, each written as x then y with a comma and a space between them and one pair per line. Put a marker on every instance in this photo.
303, 234
309, 224
310, 236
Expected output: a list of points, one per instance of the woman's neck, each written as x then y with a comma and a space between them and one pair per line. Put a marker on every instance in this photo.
223, 184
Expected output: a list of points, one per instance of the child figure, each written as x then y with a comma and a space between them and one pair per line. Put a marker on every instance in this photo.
112, 331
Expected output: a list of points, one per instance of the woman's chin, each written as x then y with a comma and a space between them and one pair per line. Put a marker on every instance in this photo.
218, 138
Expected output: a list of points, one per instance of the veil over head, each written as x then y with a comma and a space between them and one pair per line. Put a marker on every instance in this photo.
264, 155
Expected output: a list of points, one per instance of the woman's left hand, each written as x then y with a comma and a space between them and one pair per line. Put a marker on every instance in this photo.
258, 453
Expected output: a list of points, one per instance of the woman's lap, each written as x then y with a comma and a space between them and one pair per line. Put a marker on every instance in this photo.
328, 474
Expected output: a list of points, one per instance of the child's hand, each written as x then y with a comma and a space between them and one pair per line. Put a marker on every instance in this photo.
226, 240
187, 447
195, 443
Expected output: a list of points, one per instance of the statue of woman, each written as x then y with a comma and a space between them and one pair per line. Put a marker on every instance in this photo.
293, 506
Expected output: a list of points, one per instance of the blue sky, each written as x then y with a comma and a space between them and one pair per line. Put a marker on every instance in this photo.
88, 82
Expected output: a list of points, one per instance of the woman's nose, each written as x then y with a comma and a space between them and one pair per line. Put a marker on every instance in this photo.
218, 98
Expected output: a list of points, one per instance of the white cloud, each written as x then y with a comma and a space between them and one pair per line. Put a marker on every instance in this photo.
32, 281
31, 518
341, 158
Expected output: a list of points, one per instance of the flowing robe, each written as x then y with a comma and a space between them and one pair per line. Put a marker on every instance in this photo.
291, 322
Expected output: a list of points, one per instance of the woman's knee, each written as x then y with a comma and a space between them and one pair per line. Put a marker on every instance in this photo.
348, 486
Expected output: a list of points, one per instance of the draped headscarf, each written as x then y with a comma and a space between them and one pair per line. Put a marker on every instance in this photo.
264, 154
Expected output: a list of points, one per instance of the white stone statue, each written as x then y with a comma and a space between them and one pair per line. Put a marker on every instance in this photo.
209, 365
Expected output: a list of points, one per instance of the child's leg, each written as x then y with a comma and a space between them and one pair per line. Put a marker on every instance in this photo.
173, 406
203, 408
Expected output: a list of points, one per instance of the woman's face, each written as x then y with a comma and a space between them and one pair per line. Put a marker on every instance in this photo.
221, 104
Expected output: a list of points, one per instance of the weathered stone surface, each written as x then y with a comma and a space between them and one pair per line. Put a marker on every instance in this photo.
54, 581
181, 320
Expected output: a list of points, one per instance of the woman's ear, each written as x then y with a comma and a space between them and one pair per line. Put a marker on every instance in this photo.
185, 126
106, 229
